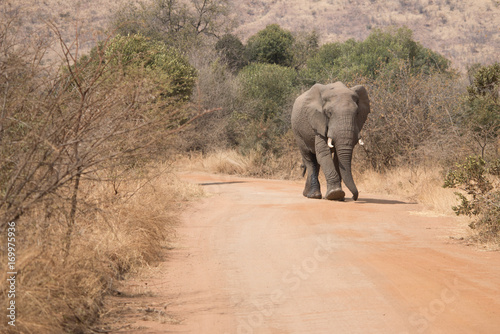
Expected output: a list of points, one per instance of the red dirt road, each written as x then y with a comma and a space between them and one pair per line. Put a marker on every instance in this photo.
257, 257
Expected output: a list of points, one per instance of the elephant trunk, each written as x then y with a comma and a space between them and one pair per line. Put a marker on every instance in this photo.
344, 142
345, 157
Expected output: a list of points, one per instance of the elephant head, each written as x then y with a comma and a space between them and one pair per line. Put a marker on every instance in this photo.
337, 114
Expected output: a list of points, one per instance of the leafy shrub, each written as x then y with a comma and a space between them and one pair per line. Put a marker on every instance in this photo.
322, 66
480, 182
272, 45
232, 52
485, 82
171, 73
382, 51
481, 110
267, 94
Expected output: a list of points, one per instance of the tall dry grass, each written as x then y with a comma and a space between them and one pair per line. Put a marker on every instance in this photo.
421, 184
233, 162
120, 228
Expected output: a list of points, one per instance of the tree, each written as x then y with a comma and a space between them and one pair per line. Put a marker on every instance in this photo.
272, 45
172, 74
482, 106
321, 67
62, 132
176, 22
485, 83
305, 45
267, 92
232, 51
479, 181
381, 51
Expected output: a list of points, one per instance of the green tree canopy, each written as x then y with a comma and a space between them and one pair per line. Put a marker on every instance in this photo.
169, 71
482, 106
232, 51
272, 45
269, 86
267, 93
382, 50
485, 83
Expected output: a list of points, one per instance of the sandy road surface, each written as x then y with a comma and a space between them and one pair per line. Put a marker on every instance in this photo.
257, 257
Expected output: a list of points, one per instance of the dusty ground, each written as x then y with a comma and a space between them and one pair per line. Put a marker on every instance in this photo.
257, 257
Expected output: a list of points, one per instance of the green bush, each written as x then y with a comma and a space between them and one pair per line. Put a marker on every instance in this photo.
272, 45
481, 110
170, 72
269, 87
479, 180
485, 82
232, 51
267, 93
382, 51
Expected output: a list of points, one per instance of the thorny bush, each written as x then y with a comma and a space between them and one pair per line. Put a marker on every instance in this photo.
480, 181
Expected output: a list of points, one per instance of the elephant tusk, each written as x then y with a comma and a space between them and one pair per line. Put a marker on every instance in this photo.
361, 142
330, 143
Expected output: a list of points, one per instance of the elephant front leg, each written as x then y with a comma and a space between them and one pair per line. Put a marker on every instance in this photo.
312, 188
324, 155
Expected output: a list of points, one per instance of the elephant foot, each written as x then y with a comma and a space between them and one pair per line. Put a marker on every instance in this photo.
312, 188
335, 195
313, 194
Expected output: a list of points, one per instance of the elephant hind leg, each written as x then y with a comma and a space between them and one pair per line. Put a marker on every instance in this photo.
312, 188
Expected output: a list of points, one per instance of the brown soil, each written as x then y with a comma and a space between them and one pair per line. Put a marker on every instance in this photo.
257, 257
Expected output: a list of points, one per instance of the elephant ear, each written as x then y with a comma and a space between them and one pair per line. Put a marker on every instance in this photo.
363, 105
314, 109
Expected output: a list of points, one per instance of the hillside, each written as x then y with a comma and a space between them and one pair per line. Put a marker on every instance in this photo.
465, 31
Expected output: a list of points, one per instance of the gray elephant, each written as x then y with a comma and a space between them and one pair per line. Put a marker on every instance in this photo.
326, 121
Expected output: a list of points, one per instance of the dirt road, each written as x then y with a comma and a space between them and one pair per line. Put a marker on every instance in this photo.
257, 257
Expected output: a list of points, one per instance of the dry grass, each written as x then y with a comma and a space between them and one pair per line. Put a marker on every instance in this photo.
420, 184
232, 162
121, 228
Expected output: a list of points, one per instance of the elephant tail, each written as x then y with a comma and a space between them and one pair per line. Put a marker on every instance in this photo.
304, 169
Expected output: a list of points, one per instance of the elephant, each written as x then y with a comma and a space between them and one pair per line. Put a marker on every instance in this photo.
326, 122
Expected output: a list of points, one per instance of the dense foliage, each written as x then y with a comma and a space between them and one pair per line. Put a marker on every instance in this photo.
381, 52
480, 181
143, 57
481, 111
267, 91
232, 51
272, 45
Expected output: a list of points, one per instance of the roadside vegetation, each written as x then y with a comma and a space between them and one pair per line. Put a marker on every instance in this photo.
88, 145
